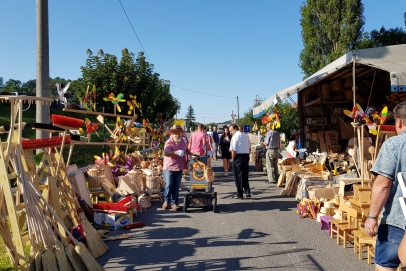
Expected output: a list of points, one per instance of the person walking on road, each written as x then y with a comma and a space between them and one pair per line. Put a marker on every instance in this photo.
272, 143
386, 192
197, 141
240, 148
175, 151
225, 153
216, 142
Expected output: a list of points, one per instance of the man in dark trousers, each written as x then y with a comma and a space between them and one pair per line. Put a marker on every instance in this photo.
240, 148
216, 141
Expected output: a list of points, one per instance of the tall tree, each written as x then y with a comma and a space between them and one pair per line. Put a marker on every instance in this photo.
190, 118
330, 28
129, 75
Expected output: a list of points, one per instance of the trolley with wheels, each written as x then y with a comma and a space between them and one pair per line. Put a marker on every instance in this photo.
201, 192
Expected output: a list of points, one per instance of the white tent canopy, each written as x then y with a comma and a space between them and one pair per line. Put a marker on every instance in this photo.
390, 58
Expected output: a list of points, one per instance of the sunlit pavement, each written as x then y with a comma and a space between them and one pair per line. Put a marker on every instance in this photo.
259, 233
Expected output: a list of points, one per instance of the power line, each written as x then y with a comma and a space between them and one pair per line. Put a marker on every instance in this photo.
204, 93
151, 62
134, 30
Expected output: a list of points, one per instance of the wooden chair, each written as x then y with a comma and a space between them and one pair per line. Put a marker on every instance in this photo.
94, 184
110, 190
369, 242
343, 209
344, 231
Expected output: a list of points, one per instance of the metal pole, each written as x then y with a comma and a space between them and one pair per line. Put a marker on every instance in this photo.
42, 83
238, 112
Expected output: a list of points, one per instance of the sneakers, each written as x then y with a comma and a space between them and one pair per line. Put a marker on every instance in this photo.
225, 174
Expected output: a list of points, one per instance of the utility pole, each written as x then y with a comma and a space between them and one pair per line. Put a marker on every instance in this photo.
238, 112
256, 100
42, 76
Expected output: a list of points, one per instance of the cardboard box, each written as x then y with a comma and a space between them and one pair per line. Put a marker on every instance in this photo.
322, 192
112, 221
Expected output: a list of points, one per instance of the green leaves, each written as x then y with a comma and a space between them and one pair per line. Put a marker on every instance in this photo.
330, 28
129, 75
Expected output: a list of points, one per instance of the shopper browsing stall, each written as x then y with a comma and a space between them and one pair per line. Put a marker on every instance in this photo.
272, 143
174, 163
385, 194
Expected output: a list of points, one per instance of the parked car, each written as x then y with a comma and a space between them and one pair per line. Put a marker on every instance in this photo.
14, 93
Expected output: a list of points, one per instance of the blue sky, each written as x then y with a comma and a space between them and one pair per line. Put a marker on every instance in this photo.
212, 51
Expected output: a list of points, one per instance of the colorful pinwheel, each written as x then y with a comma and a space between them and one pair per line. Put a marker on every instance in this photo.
274, 118
115, 100
94, 96
133, 104
86, 98
91, 127
361, 117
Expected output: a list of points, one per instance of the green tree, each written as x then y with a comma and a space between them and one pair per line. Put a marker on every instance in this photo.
29, 87
190, 118
383, 37
289, 117
12, 85
330, 28
128, 76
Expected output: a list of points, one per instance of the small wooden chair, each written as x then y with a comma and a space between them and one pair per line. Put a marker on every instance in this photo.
369, 242
343, 209
94, 184
344, 231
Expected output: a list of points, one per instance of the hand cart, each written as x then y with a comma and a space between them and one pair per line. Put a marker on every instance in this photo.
201, 192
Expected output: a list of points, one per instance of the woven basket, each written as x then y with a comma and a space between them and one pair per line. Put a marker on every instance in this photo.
209, 175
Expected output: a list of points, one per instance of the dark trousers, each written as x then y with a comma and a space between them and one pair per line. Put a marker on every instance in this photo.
241, 168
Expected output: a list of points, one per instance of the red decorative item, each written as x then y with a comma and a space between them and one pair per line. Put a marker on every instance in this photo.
388, 128
44, 142
66, 121
135, 225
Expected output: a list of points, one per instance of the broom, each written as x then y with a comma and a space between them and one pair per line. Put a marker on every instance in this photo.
61, 258
36, 219
84, 253
68, 259
96, 245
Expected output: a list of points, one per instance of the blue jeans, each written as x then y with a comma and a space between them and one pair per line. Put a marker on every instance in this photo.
172, 184
387, 244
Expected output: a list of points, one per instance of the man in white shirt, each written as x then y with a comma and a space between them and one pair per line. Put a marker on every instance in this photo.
240, 148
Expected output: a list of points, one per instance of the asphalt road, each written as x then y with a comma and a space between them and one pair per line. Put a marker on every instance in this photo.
260, 233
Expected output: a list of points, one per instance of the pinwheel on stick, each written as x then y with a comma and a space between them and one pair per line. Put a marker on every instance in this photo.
133, 104
115, 100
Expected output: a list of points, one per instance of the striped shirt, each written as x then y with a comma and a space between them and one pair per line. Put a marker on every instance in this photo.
272, 138
240, 143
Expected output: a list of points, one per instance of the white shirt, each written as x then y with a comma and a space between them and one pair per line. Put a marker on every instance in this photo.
240, 143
